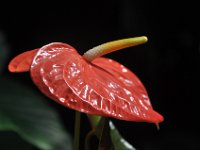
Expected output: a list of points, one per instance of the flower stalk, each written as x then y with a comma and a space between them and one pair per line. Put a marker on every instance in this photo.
77, 130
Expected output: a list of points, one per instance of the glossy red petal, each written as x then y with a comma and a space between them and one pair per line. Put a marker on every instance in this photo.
102, 88
110, 88
22, 62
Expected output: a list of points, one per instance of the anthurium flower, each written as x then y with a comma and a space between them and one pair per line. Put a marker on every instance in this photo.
89, 83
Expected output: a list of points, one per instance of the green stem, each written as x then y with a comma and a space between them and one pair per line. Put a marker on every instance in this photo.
77, 130
94, 120
105, 141
88, 139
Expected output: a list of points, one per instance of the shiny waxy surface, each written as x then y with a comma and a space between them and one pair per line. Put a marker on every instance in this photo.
101, 87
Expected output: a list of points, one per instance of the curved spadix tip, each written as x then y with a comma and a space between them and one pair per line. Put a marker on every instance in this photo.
143, 39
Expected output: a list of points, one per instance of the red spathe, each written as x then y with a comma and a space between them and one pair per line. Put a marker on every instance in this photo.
101, 87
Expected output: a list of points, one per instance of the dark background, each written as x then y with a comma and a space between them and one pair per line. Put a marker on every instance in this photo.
168, 64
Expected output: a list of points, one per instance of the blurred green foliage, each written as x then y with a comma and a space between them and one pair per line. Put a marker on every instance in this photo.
29, 115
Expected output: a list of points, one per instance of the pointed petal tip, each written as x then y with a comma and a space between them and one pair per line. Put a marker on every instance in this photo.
152, 117
158, 118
